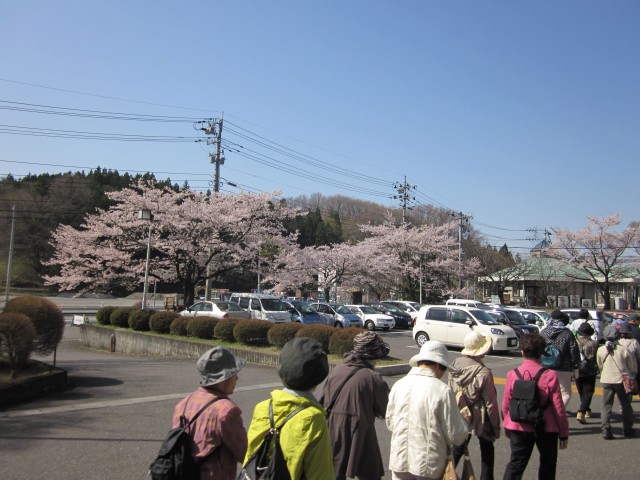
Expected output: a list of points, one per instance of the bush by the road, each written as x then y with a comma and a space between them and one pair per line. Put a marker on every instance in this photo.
120, 316
201, 327
252, 332
103, 316
47, 320
17, 334
139, 320
341, 341
160, 322
281, 333
179, 326
321, 333
224, 330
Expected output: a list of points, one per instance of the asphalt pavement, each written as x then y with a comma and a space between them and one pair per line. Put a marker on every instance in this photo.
111, 420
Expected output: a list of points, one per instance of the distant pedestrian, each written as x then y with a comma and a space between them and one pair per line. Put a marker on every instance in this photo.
304, 438
563, 339
355, 395
473, 385
612, 332
586, 380
219, 437
523, 436
423, 417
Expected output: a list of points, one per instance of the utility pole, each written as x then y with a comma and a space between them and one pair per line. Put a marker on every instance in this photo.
461, 217
405, 197
13, 223
214, 128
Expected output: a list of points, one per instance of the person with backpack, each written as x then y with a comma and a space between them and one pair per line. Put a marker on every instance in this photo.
586, 380
477, 399
533, 412
423, 417
561, 337
303, 431
218, 437
614, 361
354, 395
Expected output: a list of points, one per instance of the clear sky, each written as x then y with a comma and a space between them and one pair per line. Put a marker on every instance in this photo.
521, 114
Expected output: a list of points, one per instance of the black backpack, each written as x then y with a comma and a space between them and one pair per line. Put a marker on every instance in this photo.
267, 462
174, 460
525, 406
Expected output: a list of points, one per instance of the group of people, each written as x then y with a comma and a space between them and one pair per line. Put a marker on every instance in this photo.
332, 434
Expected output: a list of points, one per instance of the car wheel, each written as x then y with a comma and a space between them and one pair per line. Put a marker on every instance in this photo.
369, 325
338, 325
421, 338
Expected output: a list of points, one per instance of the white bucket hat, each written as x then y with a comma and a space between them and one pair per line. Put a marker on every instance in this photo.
476, 344
433, 351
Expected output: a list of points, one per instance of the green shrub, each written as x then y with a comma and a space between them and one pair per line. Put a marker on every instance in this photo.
139, 320
120, 317
46, 317
253, 332
179, 326
103, 316
224, 329
281, 333
17, 335
160, 322
341, 341
201, 327
321, 333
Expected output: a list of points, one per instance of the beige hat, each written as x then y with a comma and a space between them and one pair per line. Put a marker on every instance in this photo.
433, 351
476, 344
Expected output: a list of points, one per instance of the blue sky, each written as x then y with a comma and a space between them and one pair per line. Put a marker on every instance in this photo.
521, 114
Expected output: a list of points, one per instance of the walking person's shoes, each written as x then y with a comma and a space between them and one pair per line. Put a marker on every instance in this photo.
580, 417
629, 433
606, 434
587, 414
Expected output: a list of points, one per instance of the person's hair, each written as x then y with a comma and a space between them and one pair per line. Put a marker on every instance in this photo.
532, 345
584, 313
429, 363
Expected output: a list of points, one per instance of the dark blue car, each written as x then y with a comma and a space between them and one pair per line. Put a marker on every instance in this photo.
304, 313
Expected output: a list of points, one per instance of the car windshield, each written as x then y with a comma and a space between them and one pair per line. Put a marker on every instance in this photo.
392, 308
515, 317
415, 305
483, 317
545, 315
342, 310
228, 307
304, 307
273, 305
368, 309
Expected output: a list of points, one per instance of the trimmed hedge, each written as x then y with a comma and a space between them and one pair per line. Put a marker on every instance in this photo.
179, 326
201, 327
341, 341
281, 333
17, 334
46, 317
160, 322
224, 329
103, 316
321, 333
139, 320
253, 332
120, 317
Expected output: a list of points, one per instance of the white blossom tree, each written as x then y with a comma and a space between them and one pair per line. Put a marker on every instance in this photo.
194, 237
596, 252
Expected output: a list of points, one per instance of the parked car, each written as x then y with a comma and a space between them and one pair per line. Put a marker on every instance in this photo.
402, 318
513, 319
409, 307
304, 313
262, 307
337, 315
371, 318
449, 324
465, 302
534, 317
217, 309
605, 317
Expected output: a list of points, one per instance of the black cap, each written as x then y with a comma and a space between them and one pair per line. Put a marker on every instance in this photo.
303, 364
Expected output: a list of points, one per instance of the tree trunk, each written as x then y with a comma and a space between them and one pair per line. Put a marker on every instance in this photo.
606, 293
327, 293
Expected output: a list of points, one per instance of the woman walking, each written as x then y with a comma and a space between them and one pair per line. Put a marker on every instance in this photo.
586, 380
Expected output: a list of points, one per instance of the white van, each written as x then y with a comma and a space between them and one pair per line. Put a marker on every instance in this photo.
449, 324
262, 307
463, 302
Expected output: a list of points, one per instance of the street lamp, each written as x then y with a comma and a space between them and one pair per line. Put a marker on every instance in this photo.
146, 215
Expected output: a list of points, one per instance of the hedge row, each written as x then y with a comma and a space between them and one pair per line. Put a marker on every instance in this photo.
336, 341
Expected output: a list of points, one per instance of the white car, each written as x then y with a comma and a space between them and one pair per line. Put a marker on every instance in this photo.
534, 317
217, 309
371, 318
449, 324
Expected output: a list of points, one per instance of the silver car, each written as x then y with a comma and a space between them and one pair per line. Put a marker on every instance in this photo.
337, 315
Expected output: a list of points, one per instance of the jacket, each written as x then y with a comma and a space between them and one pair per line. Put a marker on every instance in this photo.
555, 416
588, 348
364, 397
217, 434
304, 439
613, 364
564, 340
476, 381
633, 346
425, 423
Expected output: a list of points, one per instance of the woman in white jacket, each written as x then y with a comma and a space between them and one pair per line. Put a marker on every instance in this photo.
423, 417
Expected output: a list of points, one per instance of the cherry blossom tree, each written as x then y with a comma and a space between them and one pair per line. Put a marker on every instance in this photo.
596, 252
194, 236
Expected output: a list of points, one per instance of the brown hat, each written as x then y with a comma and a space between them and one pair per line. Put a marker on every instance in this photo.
370, 346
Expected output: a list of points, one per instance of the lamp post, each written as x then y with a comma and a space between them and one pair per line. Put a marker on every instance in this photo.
146, 215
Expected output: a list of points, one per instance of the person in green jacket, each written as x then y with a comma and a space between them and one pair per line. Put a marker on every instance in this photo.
304, 439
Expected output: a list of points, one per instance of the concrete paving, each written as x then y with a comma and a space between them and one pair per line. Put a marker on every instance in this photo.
111, 421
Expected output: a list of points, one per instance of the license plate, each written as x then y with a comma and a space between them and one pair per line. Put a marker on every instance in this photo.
512, 342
